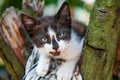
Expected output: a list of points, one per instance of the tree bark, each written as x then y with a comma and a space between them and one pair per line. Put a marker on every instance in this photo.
10, 61
15, 46
12, 53
101, 41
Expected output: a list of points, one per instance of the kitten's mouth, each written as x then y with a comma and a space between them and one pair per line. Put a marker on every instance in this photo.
57, 53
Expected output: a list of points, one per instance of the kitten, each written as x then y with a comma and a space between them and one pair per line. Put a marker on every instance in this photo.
56, 37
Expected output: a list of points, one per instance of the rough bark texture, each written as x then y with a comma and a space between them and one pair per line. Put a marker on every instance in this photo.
10, 60
12, 53
101, 41
14, 42
10, 27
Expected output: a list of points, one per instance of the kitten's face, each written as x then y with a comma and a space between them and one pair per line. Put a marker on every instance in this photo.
50, 34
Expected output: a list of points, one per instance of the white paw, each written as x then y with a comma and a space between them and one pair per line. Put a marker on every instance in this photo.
64, 74
42, 69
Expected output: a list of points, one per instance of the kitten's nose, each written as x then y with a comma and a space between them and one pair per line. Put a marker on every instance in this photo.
56, 48
55, 44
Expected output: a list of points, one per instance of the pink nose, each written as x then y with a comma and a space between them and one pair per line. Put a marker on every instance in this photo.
55, 48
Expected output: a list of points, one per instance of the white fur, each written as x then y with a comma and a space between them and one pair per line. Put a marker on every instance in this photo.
43, 65
51, 33
31, 59
66, 70
70, 51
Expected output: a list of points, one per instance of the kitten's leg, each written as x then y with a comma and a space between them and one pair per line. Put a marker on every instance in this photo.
43, 65
66, 70
31, 59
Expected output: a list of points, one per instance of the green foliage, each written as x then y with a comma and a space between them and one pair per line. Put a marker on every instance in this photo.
18, 4
71, 2
78, 3
50, 2
7, 3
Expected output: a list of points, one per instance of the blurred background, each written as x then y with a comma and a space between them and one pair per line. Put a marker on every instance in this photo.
80, 10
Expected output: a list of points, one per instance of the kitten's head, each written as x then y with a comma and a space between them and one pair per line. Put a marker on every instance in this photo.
51, 33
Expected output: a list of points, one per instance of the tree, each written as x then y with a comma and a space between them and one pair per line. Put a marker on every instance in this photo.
15, 45
12, 53
101, 41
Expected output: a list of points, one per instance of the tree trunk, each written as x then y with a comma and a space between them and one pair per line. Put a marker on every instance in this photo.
15, 45
101, 41
12, 53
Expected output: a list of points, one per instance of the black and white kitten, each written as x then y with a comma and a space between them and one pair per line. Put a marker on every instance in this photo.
56, 37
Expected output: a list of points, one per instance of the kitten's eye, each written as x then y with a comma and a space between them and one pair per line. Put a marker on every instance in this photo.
44, 40
61, 35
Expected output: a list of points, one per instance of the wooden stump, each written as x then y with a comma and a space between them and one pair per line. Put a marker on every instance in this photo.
14, 42
11, 30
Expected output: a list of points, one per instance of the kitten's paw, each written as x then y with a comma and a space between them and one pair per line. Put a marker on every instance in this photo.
42, 70
64, 74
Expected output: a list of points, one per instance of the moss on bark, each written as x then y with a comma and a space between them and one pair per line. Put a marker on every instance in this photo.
101, 41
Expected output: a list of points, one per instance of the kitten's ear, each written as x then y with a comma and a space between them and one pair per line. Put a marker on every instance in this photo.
27, 20
64, 14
